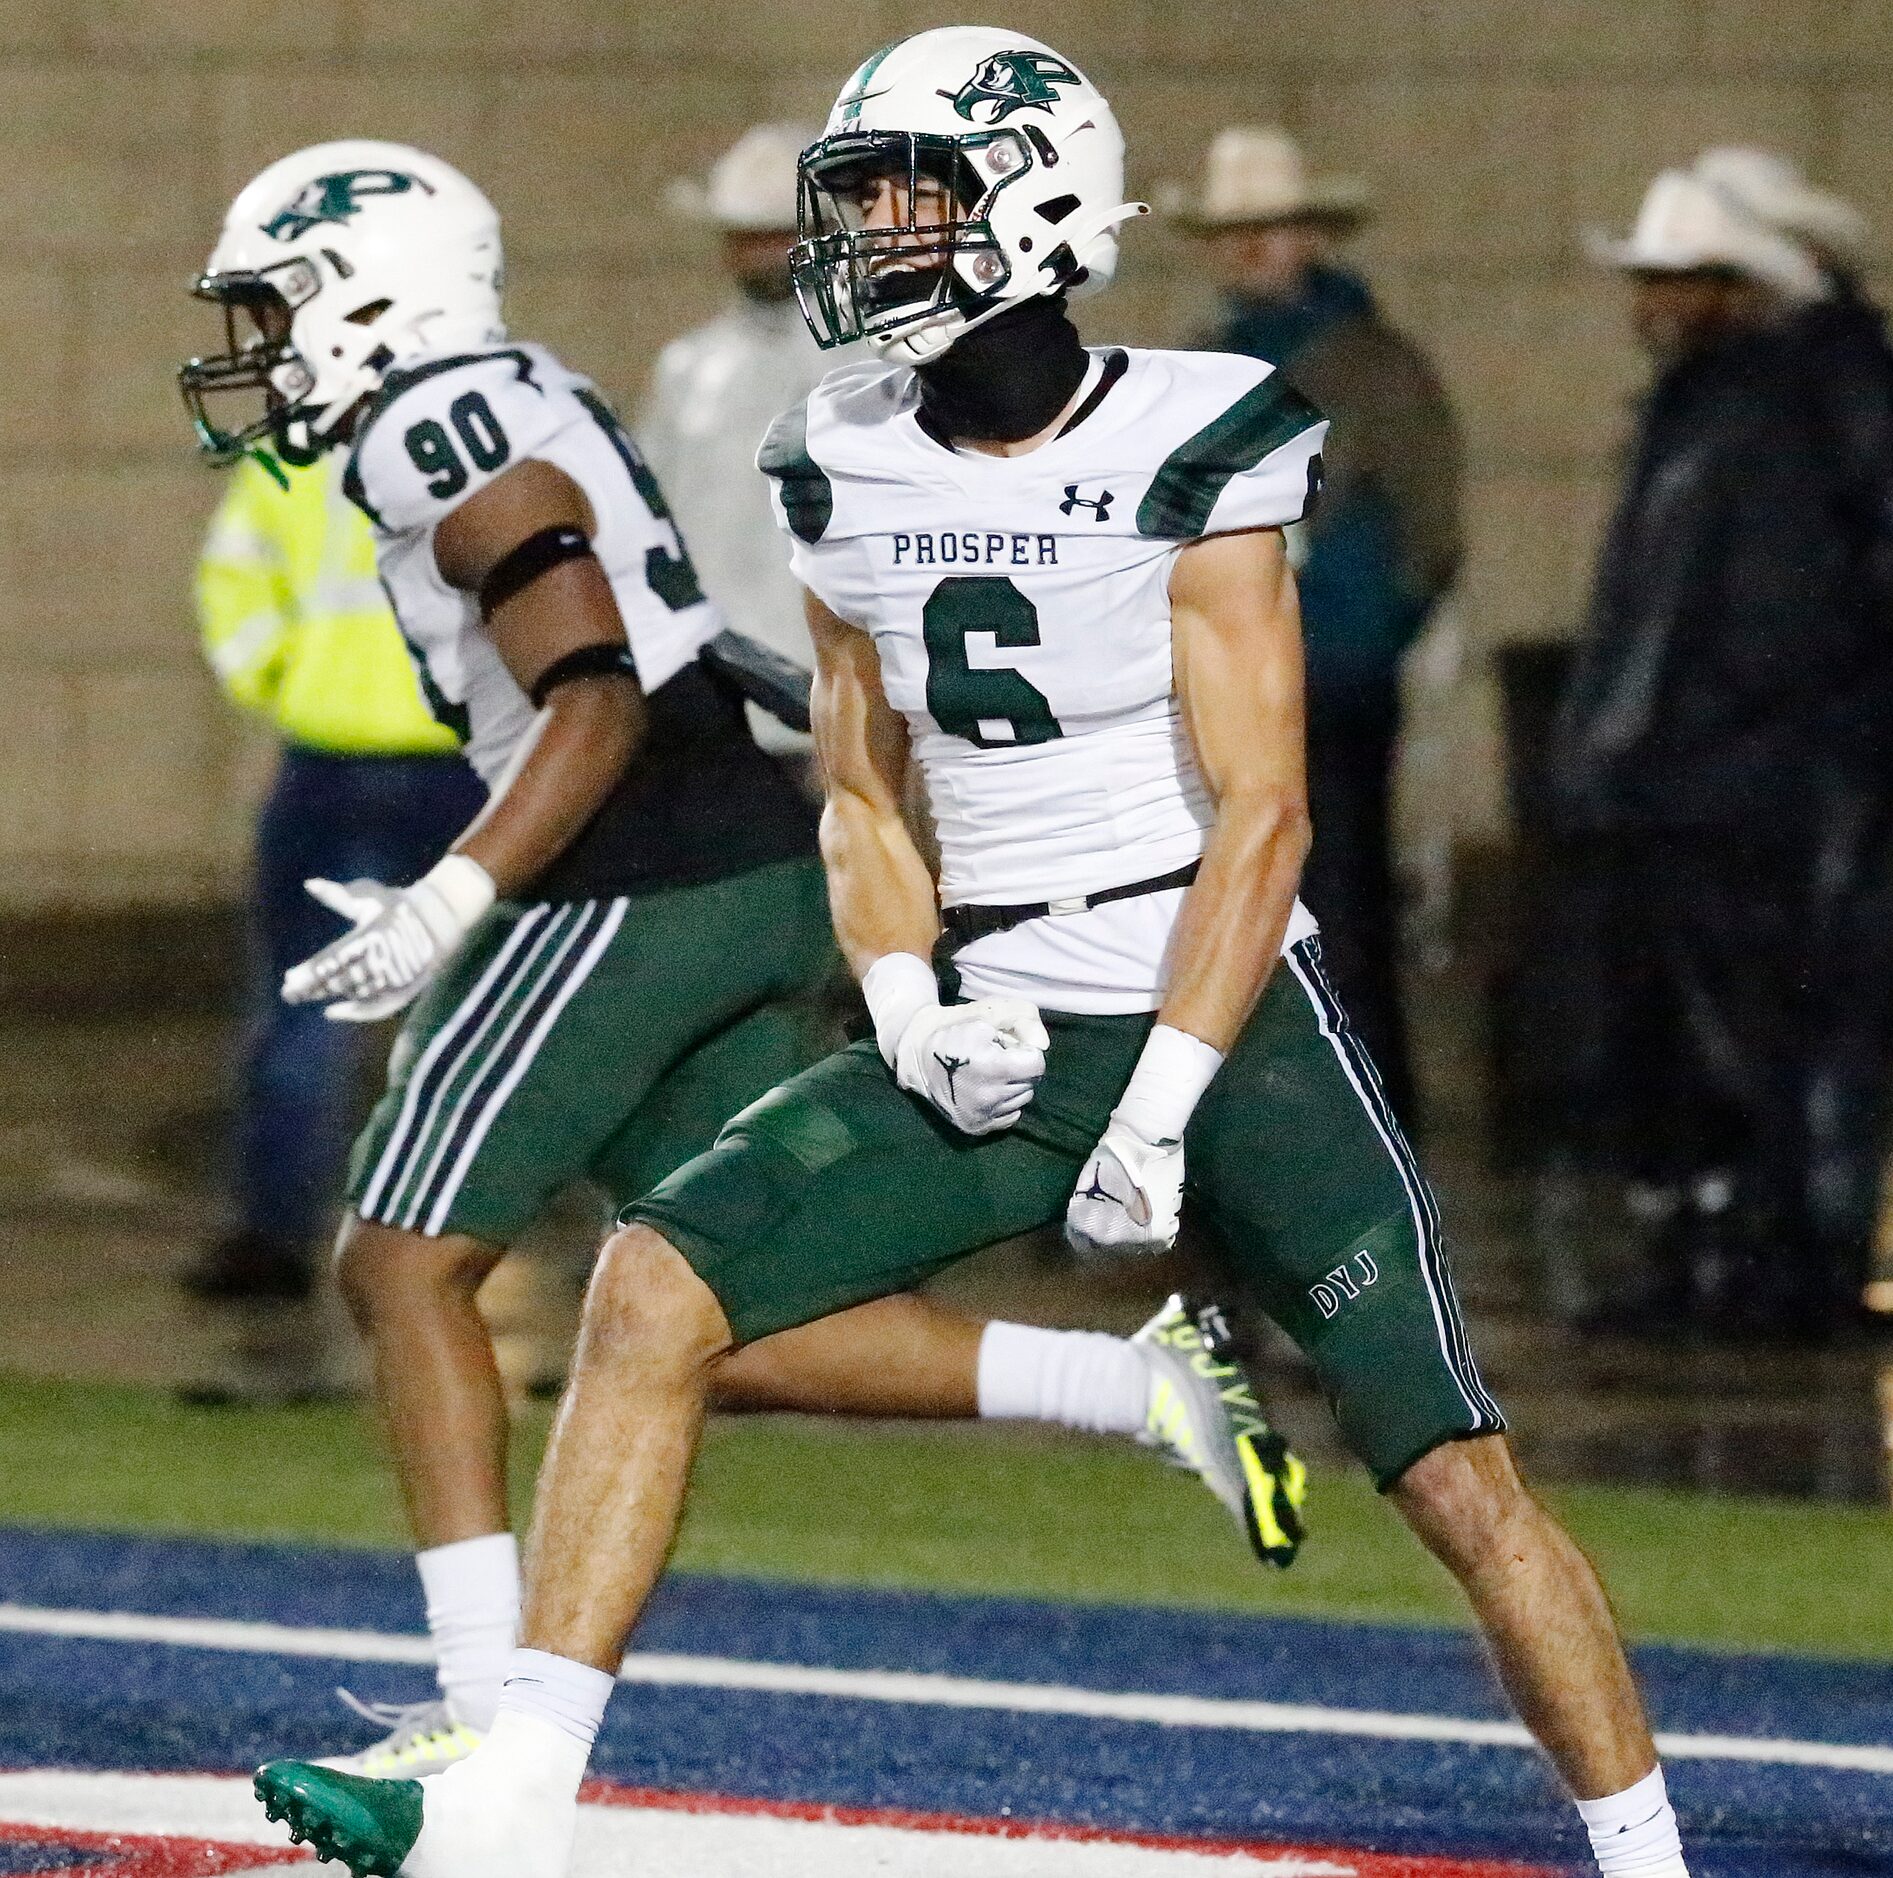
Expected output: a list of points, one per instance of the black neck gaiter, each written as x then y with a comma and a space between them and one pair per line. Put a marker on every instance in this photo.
1005, 380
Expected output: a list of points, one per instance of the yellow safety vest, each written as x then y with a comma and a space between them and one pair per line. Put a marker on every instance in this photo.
295, 623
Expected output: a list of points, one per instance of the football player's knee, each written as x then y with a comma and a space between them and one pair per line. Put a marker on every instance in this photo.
1466, 1500
644, 1297
384, 1273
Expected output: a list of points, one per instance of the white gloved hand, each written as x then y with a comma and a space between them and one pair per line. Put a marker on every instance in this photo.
978, 1064
1129, 1197
401, 937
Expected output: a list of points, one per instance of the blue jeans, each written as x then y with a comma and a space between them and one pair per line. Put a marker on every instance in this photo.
388, 818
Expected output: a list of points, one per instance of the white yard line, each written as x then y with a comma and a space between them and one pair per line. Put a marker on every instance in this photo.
923, 1691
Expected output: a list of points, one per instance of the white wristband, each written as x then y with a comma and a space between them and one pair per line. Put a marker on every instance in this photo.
463, 889
896, 986
1167, 1083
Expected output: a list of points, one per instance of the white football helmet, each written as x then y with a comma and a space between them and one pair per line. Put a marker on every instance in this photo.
1008, 148
334, 266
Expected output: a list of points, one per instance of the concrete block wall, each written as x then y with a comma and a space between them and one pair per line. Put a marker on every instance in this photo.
1490, 128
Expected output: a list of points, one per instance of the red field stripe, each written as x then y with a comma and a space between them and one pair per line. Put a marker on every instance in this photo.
150, 1855
1366, 1864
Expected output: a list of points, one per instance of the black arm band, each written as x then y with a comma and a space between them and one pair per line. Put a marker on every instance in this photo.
519, 567
595, 661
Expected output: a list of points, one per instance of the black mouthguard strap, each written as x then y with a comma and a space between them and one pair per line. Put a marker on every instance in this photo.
602, 660
519, 567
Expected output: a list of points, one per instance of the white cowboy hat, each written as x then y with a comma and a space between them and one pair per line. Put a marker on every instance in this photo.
751, 187
1258, 174
1688, 226
1773, 189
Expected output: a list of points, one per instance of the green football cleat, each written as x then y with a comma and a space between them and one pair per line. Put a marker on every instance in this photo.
368, 1825
1204, 1414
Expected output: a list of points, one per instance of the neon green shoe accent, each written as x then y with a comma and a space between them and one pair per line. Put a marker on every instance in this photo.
423, 1738
1278, 1487
1204, 1413
368, 1825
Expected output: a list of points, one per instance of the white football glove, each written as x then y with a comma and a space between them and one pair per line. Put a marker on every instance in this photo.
401, 937
1129, 1197
978, 1064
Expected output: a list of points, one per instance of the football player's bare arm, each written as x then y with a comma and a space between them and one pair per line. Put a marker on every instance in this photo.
1236, 654
977, 1063
880, 889
1236, 646
589, 727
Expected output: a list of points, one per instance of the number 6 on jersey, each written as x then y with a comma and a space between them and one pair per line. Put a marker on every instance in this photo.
988, 707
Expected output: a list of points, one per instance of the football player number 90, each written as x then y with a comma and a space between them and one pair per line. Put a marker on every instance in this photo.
993, 709
434, 453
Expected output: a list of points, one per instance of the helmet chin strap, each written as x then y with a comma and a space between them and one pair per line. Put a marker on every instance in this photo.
1005, 378
1082, 232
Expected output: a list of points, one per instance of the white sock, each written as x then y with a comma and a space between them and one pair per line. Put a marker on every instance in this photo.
1076, 1378
1633, 1833
568, 1696
473, 1597
510, 1807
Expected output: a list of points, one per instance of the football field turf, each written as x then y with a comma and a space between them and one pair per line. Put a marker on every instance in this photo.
918, 1652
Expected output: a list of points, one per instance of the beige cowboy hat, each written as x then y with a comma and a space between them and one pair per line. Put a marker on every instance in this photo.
1257, 173
1688, 226
1773, 190
750, 188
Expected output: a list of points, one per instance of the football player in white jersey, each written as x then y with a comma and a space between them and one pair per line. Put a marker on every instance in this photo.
1057, 577
613, 958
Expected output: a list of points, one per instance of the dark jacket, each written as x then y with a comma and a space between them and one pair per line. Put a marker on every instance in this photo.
1736, 659
1385, 540
1841, 343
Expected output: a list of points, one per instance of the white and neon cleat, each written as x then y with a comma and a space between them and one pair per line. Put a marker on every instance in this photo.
1204, 1414
510, 1810
423, 1738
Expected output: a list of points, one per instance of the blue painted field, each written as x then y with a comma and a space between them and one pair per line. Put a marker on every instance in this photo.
161, 1699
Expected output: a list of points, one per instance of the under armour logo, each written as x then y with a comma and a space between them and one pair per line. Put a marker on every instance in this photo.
1100, 509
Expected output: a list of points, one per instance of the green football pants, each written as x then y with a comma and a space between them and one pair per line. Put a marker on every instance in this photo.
839, 1187
600, 1039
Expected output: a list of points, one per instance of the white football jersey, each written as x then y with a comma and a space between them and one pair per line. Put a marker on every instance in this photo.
1020, 607
438, 433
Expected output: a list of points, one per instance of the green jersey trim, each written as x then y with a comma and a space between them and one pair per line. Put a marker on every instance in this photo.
808, 497
1185, 489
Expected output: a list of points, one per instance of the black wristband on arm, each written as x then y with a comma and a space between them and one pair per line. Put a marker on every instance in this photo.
603, 660
519, 567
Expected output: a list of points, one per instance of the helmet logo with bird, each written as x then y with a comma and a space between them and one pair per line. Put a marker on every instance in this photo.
337, 199
1009, 82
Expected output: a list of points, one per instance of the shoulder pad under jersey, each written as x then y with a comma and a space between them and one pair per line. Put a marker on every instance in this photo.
1250, 455
442, 430
804, 495
831, 435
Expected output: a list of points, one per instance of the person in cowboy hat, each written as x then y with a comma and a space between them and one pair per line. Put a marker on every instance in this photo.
1710, 753
1841, 340
1383, 544
1841, 333
716, 389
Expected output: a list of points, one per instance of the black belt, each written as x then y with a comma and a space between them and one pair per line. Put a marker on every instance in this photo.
964, 924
